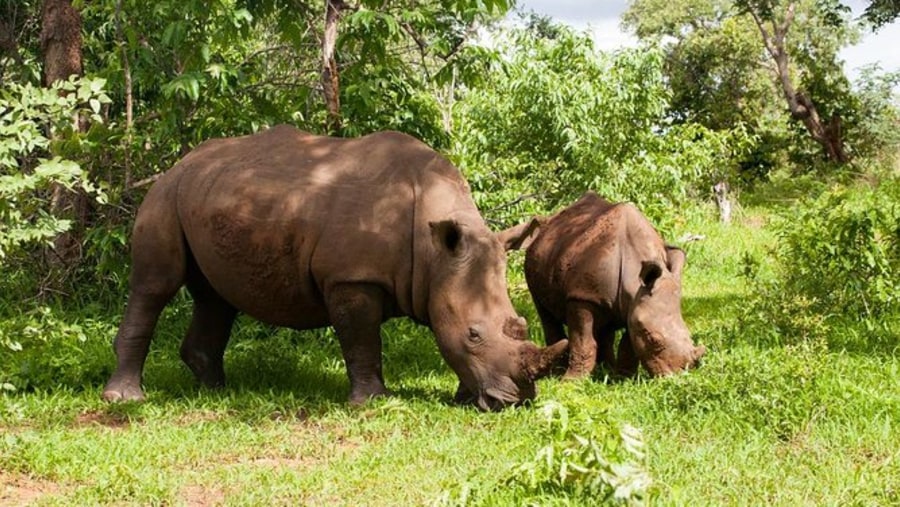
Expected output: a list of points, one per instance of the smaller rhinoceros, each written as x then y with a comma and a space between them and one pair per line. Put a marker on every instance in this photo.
598, 267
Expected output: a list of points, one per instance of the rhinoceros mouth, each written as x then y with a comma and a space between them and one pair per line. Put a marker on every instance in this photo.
661, 366
495, 398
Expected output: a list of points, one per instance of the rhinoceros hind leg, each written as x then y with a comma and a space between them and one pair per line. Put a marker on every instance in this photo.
357, 311
131, 345
157, 272
203, 348
582, 345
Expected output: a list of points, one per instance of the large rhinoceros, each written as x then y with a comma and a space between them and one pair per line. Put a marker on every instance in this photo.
304, 231
598, 267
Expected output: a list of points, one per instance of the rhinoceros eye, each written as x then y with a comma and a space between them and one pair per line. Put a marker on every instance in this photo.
474, 335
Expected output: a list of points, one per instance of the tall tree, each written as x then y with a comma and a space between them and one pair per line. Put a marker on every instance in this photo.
774, 19
60, 41
712, 60
330, 78
61, 50
736, 61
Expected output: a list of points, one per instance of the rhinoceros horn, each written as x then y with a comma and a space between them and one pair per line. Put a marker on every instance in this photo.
539, 361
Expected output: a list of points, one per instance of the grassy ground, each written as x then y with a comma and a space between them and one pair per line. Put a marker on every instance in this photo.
764, 422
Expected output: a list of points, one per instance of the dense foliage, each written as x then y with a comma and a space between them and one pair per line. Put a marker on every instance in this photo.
836, 271
557, 118
26, 178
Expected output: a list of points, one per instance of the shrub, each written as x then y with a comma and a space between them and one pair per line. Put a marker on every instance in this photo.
560, 118
837, 261
843, 254
39, 348
25, 174
45, 349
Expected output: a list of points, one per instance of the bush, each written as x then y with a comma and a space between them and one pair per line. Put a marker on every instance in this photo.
26, 175
837, 261
560, 118
45, 349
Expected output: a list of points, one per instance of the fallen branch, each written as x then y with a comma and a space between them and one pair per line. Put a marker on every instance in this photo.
145, 181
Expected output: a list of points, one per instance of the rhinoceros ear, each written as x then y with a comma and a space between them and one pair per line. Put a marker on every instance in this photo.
675, 260
650, 271
519, 237
446, 235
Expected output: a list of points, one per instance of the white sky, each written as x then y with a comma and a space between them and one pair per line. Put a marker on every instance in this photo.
601, 17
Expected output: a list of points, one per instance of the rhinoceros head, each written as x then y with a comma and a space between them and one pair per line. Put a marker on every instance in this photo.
660, 337
477, 329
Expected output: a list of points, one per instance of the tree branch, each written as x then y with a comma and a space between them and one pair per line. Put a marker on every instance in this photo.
262, 51
767, 39
423, 46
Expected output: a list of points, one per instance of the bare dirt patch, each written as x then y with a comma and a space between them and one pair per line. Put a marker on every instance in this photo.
18, 489
202, 496
101, 418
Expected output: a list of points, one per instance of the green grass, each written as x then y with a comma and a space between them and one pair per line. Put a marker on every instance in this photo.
760, 423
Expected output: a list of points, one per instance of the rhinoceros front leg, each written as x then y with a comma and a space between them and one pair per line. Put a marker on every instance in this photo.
582, 345
356, 312
203, 348
605, 335
627, 361
552, 326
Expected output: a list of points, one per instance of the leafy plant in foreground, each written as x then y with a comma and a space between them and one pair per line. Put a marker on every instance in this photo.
586, 460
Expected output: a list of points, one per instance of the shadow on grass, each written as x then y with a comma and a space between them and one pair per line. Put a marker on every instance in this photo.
715, 310
288, 365
729, 321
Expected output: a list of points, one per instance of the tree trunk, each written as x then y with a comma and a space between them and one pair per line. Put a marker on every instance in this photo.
61, 51
330, 82
129, 97
802, 108
720, 189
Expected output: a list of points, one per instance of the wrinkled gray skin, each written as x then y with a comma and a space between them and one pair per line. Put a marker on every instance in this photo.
305, 231
598, 267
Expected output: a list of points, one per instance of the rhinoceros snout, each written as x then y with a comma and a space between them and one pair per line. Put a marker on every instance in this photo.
674, 360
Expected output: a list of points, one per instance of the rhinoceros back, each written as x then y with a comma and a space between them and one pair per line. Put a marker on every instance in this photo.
276, 218
576, 255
